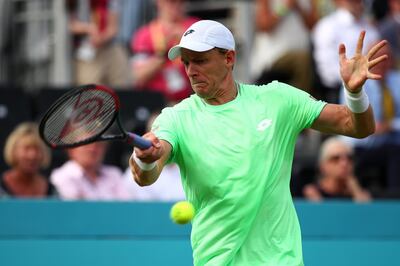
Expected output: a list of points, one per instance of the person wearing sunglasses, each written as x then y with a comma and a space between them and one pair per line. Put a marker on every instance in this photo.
336, 174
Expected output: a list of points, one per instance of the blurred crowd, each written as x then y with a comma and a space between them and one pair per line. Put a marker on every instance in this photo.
123, 44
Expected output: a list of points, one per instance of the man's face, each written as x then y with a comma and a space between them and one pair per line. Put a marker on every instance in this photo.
356, 7
207, 70
89, 156
173, 9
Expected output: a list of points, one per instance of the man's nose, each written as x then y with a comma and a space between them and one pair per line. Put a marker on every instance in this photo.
191, 70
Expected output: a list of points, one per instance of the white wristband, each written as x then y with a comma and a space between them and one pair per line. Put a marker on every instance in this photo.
142, 165
357, 102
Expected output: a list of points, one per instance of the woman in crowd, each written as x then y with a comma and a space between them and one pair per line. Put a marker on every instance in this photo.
26, 154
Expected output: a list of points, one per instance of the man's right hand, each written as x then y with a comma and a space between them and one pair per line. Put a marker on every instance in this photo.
158, 153
153, 153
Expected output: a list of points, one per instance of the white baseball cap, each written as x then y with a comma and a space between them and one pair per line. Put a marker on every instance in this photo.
202, 36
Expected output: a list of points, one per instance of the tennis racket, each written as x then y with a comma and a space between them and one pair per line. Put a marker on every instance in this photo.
82, 116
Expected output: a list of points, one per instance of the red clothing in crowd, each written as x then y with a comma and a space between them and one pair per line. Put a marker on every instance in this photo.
172, 81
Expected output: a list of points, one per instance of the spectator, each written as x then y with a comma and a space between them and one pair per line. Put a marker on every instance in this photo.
151, 68
337, 178
134, 14
282, 42
378, 156
389, 29
379, 9
168, 186
85, 176
339, 27
99, 58
26, 154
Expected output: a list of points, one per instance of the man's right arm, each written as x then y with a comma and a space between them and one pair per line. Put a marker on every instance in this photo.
158, 154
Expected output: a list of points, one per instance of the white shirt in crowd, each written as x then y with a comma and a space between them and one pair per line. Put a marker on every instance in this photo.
168, 186
329, 32
72, 184
289, 35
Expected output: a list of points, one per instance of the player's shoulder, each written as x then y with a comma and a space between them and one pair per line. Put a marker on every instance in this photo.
188, 104
171, 113
272, 88
276, 93
256, 88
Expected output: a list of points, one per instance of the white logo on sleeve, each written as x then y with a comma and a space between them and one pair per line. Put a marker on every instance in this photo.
264, 124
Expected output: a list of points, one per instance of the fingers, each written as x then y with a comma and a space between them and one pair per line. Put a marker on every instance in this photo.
376, 48
360, 42
376, 61
373, 76
153, 153
342, 53
148, 156
154, 140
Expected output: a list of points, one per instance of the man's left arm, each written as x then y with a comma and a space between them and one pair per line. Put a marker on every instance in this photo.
355, 119
340, 120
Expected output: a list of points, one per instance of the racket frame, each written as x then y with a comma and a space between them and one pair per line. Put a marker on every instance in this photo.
130, 138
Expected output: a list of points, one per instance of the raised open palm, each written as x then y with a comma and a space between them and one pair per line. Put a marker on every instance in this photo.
355, 71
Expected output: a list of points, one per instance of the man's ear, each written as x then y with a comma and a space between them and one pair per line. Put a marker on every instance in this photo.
230, 58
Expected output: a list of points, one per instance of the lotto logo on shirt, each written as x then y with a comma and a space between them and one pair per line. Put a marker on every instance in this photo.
264, 124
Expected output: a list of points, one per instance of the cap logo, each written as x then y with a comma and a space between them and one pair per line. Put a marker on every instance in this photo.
188, 32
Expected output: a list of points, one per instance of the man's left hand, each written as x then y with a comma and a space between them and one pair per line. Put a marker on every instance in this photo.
355, 71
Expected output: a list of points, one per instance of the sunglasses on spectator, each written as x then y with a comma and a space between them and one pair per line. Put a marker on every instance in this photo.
337, 157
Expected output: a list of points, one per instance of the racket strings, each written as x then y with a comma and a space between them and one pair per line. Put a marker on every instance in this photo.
81, 117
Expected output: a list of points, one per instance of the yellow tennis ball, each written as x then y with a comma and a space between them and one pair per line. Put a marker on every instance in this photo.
182, 212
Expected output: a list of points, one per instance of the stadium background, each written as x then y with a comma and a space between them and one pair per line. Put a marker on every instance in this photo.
35, 70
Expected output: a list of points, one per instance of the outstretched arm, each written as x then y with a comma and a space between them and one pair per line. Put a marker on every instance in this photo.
146, 165
356, 118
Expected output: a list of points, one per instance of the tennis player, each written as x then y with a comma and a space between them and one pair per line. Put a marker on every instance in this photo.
234, 144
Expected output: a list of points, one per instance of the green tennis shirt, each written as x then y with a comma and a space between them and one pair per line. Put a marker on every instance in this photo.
235, 161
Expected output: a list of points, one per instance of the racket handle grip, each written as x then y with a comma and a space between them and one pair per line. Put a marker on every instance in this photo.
138, 141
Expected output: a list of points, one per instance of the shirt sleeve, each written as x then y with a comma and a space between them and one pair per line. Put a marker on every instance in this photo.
164, 127
300, 107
